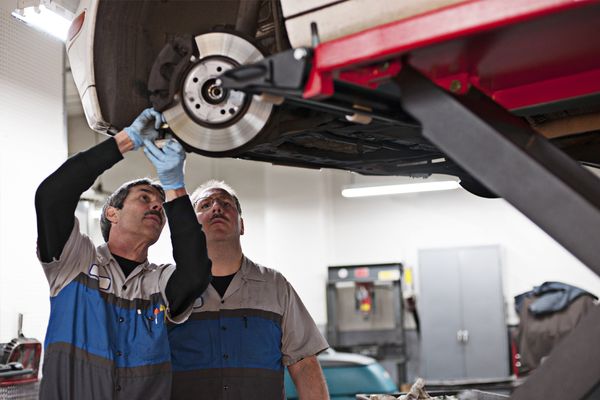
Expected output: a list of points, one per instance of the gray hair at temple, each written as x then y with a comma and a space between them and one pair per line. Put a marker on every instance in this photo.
215, 184
117, 199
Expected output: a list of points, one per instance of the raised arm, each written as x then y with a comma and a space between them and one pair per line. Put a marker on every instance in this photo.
57, 196
192, 273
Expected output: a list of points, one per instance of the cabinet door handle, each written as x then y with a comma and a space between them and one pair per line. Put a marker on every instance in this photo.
462, 336
459, 336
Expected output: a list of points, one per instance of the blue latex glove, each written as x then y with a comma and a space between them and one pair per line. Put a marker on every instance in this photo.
145, 127
168, 162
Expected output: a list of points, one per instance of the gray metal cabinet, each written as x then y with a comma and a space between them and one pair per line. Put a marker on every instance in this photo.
461, 306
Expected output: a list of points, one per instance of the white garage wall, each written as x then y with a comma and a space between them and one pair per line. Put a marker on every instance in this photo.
33, 143
296, 233
394, 228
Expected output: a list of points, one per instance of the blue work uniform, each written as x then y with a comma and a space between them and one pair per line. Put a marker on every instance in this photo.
107, 336
236, 347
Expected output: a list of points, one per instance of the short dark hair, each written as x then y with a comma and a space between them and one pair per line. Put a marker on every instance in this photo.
117, 199
215, 184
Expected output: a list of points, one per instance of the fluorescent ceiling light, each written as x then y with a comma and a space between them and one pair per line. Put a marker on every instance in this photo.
399, 189
45, 19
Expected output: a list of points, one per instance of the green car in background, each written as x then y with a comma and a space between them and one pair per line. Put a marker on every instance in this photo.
348, 374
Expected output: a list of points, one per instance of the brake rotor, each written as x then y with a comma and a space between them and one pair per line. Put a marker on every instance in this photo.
208, 117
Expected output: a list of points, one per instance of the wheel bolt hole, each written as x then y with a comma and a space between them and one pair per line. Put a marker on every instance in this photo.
197, 106
219, 69
195, 80
231, 111
223, 112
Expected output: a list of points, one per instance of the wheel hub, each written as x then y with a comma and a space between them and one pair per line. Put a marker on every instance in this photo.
208, 103
208, 117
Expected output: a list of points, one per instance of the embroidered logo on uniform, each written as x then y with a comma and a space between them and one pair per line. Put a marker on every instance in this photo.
198, 303
103, 281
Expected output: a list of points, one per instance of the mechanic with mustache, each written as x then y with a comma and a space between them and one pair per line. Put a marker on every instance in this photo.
107, 336
247, 326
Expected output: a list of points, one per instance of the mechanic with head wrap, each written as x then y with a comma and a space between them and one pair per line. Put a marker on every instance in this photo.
247, 326
107, 336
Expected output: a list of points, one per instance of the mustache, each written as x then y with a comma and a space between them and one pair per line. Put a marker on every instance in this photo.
154, 212
218, 215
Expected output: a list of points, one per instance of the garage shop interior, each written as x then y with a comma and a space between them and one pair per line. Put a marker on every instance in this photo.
419, 178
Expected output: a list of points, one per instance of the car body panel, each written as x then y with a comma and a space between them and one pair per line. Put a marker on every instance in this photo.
347, 374
81, 58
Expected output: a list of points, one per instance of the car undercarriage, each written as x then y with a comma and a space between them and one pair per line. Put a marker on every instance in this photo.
170, 54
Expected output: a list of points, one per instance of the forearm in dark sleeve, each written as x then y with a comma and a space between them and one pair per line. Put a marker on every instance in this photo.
57, 196
192, 273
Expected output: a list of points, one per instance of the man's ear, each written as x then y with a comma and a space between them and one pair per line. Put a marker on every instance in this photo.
241, 226
112, 214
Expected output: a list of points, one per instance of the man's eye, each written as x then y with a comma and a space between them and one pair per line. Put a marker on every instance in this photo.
204, 206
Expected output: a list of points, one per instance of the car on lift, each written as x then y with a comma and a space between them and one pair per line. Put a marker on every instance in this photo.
129, 55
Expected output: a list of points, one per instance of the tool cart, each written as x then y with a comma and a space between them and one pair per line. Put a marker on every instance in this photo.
19, 365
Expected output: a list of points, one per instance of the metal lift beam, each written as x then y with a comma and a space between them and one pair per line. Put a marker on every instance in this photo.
512, 160
550, 188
